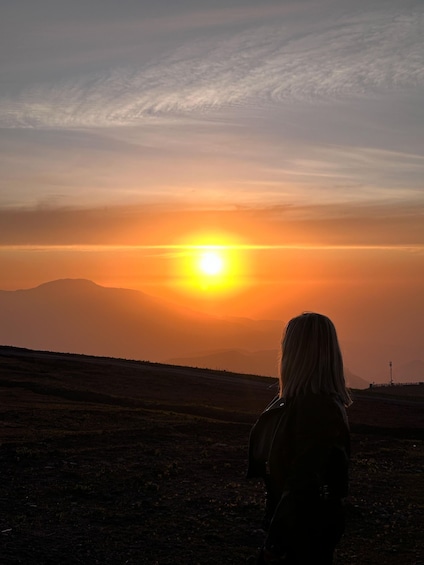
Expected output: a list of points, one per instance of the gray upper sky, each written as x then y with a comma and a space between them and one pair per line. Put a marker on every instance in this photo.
215, 104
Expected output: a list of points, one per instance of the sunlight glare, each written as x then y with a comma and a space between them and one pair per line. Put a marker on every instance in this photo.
211, 263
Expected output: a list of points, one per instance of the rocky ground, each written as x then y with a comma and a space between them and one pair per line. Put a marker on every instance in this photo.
110, 461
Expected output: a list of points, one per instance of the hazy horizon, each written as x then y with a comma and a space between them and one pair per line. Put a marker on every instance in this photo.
80, 316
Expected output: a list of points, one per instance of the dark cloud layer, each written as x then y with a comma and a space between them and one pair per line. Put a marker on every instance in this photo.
160, 226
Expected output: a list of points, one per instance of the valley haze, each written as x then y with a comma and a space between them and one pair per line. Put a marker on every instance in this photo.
79, 316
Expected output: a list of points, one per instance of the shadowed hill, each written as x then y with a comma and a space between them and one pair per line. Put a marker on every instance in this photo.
116, 461
256, 362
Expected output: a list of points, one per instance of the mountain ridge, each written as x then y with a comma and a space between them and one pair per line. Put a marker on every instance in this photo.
81, 316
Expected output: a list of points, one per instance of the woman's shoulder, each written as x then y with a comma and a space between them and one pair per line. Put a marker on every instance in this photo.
318, 409
316, 401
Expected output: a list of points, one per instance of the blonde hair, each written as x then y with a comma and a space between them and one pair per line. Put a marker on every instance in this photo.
311, 360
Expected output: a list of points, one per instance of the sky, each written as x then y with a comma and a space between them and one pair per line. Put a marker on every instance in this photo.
290, 133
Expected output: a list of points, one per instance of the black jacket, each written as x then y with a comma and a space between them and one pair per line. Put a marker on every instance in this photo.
301, 448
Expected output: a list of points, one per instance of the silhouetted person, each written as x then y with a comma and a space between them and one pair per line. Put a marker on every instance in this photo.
300, 446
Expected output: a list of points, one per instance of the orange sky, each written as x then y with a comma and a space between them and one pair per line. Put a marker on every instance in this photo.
363, 268
148, 248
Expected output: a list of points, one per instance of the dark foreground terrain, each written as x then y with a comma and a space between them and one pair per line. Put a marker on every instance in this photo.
112, 461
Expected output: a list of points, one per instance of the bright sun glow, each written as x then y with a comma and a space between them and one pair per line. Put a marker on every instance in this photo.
211, 263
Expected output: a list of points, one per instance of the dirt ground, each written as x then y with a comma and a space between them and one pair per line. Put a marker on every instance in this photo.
111, 462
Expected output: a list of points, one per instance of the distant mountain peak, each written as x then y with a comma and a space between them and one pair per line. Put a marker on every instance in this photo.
64, 283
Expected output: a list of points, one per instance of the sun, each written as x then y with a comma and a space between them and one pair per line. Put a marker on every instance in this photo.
211, 263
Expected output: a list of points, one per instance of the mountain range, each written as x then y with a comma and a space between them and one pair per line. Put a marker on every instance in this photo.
263, 362
79, 316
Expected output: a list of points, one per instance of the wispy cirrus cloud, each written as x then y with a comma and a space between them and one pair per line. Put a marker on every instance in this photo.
345, 57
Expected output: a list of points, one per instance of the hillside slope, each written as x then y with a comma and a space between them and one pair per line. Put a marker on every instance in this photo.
113, 461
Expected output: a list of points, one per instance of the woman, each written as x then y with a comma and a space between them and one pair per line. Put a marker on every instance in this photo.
300, 446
